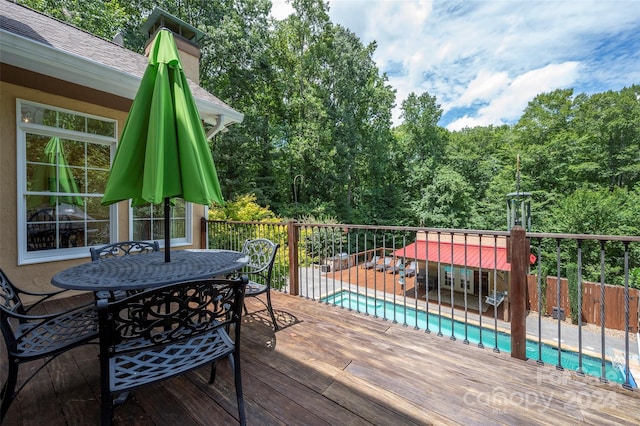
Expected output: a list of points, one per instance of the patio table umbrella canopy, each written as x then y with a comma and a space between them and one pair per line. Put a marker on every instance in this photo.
163, 152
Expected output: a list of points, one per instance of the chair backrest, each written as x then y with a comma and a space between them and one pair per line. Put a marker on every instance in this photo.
178, 322
123, 248
10, 302
262, 254
12, 311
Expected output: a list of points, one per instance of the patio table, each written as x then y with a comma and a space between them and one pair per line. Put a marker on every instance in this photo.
149, 270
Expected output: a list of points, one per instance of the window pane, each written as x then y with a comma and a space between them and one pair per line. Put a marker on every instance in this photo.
98, 233
35, 147
142, 212
71, 122
96, 210
100, 127
158, 229
178, 228
49, 118
142, 230
96, 181
74, 152
98, 156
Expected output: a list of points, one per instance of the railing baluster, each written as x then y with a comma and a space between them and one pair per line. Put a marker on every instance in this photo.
627, 372
464, 283
495, 292
480, 344
579, 371
439, 299
539, 289
603, 376
415, 285
426, 279
451, 295
558, 264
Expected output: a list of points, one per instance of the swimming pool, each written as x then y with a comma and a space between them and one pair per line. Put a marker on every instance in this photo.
474, 334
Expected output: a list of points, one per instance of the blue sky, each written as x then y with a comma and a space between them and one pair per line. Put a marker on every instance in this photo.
484, 60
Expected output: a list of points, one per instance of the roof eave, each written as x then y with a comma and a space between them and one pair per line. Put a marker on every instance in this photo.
25, 53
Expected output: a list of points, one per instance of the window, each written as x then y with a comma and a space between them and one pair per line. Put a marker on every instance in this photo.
458, 278
63, 161
148, 222
448, 277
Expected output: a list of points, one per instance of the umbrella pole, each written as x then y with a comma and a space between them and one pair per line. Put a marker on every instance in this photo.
167, 230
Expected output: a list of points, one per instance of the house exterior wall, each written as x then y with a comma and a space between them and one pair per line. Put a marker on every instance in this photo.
37, 277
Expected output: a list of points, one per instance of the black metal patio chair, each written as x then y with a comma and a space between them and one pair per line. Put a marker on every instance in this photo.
144, 339
123, 248
30, 337
262, 255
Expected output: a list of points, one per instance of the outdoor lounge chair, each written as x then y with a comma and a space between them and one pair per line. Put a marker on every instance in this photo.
386, 263
372, 263
497, 300
395, 268
411, 269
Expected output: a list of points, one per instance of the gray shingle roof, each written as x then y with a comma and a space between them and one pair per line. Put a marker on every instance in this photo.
59, 35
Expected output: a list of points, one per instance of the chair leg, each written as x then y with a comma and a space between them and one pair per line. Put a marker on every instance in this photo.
8, 389
270, 309
106, 405
212, 375
238, 382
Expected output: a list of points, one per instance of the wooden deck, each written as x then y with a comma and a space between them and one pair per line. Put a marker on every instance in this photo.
329, 366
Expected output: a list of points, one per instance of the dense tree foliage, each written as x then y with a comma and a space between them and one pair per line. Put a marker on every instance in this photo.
317, 137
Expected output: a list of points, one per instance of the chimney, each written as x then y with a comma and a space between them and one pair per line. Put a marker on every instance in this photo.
186, 37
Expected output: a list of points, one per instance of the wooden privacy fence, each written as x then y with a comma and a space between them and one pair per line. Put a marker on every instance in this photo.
614, 297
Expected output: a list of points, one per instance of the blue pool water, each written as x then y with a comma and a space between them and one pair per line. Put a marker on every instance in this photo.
569, 360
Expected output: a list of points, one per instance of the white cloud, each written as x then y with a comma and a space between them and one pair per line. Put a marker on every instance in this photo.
483, 87
509, 101
484, 60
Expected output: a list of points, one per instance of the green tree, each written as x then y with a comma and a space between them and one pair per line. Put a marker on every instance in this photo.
609, 139
447, 201
102, 18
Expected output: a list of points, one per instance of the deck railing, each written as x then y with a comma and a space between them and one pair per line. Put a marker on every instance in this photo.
498, 282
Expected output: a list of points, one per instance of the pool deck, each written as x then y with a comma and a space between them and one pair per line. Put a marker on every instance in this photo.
329, 366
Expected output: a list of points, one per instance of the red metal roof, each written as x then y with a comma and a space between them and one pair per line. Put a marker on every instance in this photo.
492, 257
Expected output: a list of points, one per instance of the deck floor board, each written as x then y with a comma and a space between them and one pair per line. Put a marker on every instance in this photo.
329, 366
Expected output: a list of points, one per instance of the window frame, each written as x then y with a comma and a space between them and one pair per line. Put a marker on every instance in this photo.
22, 129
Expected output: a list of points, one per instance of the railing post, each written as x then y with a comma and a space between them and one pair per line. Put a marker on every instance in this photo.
292, 237
203, 233
519, 248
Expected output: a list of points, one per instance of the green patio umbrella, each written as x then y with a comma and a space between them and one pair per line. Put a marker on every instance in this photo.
54, 175
163, 152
